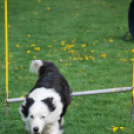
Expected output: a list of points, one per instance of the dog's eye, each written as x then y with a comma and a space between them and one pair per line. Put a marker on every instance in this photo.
42, 117
32, 116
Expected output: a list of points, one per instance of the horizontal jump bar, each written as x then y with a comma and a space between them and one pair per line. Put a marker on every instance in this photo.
103, 91
91, 92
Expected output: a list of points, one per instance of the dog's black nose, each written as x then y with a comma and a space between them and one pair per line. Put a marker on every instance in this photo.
36, 129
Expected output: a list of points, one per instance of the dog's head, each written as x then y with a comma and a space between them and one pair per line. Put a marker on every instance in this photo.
37, 113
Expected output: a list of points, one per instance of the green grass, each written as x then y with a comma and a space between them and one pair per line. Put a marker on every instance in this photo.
60, 29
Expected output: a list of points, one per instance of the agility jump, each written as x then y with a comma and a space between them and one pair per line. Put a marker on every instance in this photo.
100, 91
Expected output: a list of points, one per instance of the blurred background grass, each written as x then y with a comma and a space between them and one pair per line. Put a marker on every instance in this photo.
84, 39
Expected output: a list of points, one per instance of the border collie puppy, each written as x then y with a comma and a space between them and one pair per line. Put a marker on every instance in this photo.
46, 104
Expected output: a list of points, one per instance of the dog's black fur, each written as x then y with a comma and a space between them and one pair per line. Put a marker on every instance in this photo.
29, 102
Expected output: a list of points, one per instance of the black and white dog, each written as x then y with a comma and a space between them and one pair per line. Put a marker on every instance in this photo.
45, 105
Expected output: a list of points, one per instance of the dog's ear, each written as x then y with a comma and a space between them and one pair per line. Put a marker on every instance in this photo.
29, 102
50, 103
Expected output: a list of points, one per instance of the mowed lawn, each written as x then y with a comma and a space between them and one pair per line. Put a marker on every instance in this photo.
84, 39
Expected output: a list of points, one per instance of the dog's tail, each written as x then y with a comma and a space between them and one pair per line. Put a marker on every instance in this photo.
35, 66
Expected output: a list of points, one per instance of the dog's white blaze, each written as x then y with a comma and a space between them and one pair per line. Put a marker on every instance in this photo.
37, 110
43, 93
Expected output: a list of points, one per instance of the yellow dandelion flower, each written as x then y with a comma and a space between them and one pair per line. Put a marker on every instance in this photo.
49, 46
54, 40
55, 50
28, 51
70, 58
29, 35
20, 77
17, 45
86, 57
124, 60
34, 56
132, 59
48, 8
66, 45
121, 128
81, 58
77, 15
71, 51
103, 55
115, 129
87, 30
21, 67
71, 46
92, 58
33, 45
74, 58
73, 40
39, 1
35, 13
92, 51
37, 48
132, 50
65, 49
80, 71
104, 39
66, 64
63, 43
111, 40
121, 28
83, 45
21, 96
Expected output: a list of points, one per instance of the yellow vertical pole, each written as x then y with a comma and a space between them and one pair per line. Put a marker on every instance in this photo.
132, 105
6, 51
133, 79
